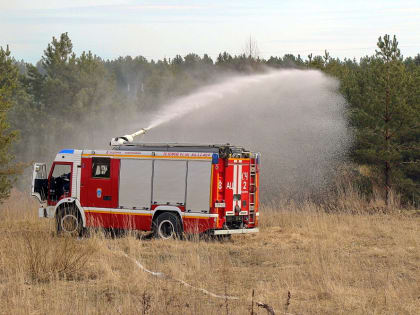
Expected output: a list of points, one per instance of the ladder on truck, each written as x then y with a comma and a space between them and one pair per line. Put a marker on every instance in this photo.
252, 187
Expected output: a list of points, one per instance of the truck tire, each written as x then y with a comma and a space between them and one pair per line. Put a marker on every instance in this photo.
167, 225
69, 221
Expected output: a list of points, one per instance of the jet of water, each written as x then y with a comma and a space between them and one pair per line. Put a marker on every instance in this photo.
295, 118
206, 96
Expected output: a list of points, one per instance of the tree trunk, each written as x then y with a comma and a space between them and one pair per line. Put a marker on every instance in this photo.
387, 182
387, 119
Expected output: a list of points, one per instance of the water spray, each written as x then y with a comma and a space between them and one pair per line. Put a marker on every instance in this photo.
127, 138
295, 118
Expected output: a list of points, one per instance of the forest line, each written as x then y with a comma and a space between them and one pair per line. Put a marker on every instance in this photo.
382, 92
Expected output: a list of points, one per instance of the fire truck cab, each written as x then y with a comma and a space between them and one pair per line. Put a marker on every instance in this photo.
169, 189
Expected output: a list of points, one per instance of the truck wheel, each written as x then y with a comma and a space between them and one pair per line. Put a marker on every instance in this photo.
167, 225
69, 221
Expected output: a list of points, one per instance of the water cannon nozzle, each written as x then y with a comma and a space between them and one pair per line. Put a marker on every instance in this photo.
127, 138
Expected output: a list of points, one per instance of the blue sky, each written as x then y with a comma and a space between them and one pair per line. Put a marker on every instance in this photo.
164, 28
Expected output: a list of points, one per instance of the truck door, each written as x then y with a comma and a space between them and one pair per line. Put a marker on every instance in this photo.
99, 183
40, 182
99, 189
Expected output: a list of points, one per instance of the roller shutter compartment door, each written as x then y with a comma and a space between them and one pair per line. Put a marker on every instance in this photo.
135, 184
169, 180
198, 186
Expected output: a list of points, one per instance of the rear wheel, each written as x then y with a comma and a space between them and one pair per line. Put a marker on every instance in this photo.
167, 225
69, 221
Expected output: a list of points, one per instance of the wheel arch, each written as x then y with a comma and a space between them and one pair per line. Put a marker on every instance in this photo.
170, 209
73, 202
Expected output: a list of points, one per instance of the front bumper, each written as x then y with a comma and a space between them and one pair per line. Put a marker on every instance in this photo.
235, 231
46, 212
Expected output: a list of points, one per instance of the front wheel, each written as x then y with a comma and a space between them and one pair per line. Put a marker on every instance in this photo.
167, 225
69, 221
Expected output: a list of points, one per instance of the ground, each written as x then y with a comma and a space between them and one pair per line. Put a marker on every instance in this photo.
304, 261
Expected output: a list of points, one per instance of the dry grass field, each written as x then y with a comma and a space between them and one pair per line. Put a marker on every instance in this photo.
304, 261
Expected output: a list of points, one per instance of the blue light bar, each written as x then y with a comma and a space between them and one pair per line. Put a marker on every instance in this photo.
215, 158
68, 151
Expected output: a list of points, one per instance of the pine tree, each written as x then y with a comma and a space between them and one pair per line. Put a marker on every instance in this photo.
8, 84
386, 117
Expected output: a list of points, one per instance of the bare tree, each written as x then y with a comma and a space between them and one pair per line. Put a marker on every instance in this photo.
251, 48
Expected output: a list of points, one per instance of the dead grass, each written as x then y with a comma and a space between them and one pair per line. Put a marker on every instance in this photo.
304, 261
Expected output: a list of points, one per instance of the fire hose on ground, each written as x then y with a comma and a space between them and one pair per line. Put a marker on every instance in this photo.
161, 275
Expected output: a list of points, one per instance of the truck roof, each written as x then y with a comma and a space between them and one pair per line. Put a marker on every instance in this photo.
222, 149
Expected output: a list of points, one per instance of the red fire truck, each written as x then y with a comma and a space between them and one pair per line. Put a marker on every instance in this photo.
169, 189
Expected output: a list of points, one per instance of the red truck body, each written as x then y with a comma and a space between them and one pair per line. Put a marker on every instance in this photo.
210, 188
